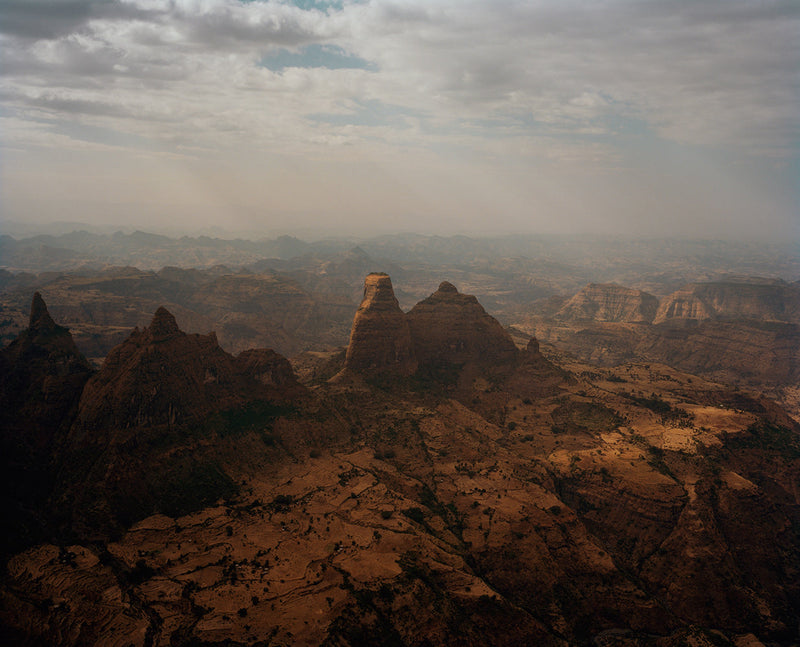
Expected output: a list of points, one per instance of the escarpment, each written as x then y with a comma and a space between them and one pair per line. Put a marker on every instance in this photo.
753, 299
609, 302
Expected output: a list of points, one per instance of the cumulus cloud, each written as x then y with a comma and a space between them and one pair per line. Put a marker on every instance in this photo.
721, 72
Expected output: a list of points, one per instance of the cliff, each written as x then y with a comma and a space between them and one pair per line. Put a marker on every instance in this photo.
609, 302
380, 340
42, 375
755, 299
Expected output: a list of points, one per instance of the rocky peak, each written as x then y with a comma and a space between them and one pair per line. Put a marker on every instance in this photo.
445, 287
162, 383
380, 340
163, 326
45, 347
40, 319
42, 375
454, 328
163, 376
379, 293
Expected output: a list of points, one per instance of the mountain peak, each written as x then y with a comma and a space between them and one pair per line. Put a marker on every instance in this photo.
380, 338
40, 319
379, 293
163, 325
452, 327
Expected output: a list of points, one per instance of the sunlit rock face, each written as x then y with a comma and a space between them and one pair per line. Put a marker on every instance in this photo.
450, 327
380, 340
756, 299
609, 302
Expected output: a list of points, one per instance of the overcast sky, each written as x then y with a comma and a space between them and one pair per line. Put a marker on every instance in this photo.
617, 116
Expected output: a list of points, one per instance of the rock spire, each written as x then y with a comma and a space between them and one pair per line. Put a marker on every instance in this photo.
40, 319
380, 340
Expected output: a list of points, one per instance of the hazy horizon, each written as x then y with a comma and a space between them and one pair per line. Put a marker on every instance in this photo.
624, 118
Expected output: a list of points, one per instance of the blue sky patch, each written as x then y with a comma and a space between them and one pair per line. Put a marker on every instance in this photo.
331, 57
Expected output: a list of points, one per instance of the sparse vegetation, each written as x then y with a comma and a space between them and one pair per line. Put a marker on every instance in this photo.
584, 417
668, 413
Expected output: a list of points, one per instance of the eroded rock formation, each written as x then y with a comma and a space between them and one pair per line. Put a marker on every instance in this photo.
380, 340
609, 302
519, 505
42, 375
143, 435
755, 299
450, 327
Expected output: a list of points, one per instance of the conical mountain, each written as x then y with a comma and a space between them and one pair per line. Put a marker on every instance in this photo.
450, 327
42, 374
149, 434
163, 376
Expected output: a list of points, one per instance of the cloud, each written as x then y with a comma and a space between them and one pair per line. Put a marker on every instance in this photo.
569, 83
723, 73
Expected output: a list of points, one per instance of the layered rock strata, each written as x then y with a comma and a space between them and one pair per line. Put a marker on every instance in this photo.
450, 327
609, 302
756, 299
380, 340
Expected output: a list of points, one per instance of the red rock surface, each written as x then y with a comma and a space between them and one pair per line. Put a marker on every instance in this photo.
454, 328
380, 340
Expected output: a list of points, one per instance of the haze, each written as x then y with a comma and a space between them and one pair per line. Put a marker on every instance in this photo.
615, 117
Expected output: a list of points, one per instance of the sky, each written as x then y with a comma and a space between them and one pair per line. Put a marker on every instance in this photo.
621, 117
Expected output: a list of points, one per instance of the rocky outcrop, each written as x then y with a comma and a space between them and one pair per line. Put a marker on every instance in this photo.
161, 376
380, 341
755, 299
42, 375
453, 328
154, 408
609, 302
